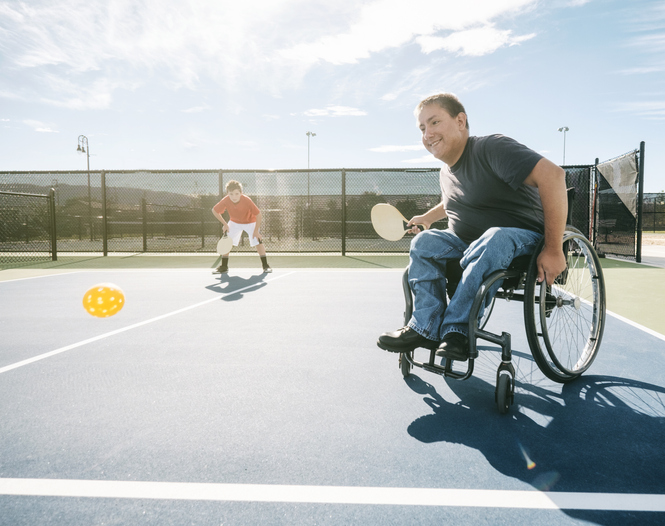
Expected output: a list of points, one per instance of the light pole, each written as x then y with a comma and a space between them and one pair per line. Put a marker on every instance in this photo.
564, 129
309, 134
84, 148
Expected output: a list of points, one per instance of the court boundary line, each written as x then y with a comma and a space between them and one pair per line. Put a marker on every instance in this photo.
636, 325
67, 273
355, 495
66, 348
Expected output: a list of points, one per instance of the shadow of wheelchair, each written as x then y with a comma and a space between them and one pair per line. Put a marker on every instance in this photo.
598, 433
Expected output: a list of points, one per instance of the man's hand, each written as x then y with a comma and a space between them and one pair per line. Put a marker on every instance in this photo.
258, 236
550, 263
414, 222
225, 228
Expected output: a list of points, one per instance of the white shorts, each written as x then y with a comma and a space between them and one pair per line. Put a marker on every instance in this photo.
236, 229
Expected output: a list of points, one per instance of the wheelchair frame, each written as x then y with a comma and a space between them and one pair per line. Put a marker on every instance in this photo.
577, 296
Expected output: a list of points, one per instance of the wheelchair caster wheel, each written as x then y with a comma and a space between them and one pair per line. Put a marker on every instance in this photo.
404, 364
504, 393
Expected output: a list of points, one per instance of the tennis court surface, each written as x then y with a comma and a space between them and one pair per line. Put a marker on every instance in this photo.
263, 399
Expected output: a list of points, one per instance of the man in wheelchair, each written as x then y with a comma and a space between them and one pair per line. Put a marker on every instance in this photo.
500, 198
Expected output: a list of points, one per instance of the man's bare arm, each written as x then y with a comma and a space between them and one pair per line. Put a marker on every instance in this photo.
550, 180
428, 218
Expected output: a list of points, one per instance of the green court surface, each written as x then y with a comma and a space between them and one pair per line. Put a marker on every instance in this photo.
634, 291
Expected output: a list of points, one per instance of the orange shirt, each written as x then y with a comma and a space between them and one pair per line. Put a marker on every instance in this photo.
243, 212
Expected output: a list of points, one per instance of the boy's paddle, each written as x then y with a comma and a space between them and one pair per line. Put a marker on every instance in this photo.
224, 245
388, 222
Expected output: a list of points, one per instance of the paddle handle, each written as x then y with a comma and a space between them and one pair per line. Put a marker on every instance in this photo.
416, 224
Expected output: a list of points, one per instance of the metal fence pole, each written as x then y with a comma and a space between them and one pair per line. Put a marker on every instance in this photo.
343, 212
640, 197
203, 229
144, 213
220, 195
105, 239
54, 236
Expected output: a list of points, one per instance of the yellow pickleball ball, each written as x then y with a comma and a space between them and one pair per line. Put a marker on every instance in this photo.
104, 300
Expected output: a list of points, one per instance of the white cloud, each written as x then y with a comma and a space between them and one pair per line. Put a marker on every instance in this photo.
93, 49
652, 110
335, 111
39, 126
421, 160
387, 24
415, 77
127, 43
473, 42
645, 70
196, 109
247, 145
391, 149
427, 81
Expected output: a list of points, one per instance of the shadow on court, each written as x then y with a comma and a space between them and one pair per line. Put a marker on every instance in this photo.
600, 432
234, 288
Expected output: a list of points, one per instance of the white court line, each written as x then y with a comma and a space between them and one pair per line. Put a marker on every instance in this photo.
128, 328
637, 325
64, 273
474, 498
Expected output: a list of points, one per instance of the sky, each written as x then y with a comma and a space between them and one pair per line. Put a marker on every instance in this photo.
218, 84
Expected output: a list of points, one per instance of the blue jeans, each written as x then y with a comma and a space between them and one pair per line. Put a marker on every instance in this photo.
432, 316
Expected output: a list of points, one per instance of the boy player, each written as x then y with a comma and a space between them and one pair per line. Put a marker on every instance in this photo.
243, 215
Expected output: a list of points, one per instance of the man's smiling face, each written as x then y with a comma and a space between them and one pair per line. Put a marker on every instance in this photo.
443, 136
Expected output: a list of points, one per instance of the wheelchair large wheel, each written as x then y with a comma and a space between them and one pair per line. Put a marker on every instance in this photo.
565, 321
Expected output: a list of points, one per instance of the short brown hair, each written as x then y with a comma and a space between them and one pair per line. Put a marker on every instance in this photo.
233, 185
448, 102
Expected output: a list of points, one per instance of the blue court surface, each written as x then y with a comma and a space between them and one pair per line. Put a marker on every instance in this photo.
263, 399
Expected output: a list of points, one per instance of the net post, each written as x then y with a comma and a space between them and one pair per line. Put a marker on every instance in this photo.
105, 239
640, 198
343, 212
54, 237
594, 203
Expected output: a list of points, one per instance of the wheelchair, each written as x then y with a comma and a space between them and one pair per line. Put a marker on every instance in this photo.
564, 322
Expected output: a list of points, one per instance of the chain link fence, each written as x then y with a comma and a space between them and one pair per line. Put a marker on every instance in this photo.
303, 211
26, 228
170, 211
580, 180
653, 212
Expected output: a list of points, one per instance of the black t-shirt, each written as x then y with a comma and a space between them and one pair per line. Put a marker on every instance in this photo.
485, 188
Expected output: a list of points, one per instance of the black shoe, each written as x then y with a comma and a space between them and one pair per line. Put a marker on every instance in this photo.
267, 270
404, 340
455, 346
221, 270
